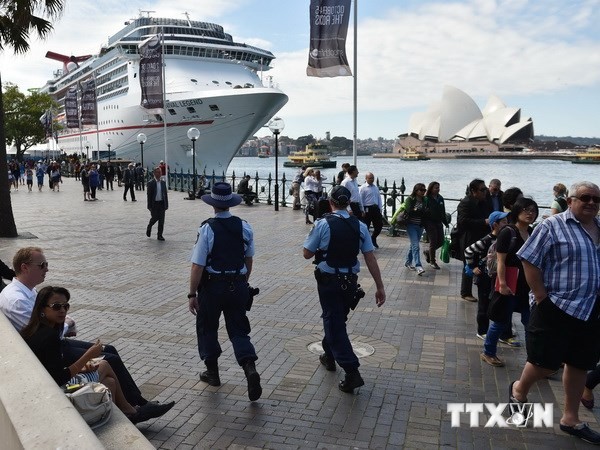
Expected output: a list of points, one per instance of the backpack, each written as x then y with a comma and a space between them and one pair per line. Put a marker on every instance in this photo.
491, 262
562, 202
455, 252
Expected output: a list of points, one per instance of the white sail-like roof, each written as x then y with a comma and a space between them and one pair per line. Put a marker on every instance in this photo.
457, 117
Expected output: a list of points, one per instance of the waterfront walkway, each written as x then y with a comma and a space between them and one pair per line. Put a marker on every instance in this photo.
131, 291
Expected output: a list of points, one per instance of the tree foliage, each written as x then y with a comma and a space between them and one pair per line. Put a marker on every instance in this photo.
18, 20
22, 113
340, 143
303, 141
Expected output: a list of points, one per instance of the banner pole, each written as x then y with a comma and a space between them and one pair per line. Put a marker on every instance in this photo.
164, 101
354, 151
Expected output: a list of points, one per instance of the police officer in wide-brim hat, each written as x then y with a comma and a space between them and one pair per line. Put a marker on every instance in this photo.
221, 265
336, 240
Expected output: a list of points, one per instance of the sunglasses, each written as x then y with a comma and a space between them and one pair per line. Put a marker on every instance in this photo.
59, 306
585, 198
42, 265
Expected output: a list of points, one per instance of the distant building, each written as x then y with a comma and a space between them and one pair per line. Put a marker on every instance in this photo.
456, 124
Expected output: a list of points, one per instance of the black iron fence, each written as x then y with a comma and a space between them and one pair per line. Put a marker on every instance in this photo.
393, 194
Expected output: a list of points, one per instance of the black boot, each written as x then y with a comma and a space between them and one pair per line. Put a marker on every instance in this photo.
254, 388
211, 374
351, 382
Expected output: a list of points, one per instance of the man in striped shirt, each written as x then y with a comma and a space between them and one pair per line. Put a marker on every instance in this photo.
561, 260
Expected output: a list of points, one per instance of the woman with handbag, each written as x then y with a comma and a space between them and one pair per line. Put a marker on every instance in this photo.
43, 335
416, 210
511, 292
434, 222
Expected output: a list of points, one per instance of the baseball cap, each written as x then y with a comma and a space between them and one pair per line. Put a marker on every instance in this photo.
495, 217
340, 195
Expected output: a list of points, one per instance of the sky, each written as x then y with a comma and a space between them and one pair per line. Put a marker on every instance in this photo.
542, 56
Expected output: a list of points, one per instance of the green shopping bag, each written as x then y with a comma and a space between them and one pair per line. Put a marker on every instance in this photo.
445, 252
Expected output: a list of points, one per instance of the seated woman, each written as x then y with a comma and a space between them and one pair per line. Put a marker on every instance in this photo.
43, 334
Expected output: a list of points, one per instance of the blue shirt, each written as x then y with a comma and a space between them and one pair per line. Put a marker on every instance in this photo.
318, 239
206, 240
569, 260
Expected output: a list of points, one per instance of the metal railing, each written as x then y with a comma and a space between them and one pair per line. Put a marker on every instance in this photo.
393, 194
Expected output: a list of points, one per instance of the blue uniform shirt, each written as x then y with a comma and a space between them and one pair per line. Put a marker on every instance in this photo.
318, 239
206, 240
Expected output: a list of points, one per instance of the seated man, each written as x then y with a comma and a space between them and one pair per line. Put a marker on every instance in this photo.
245, 191
17, 301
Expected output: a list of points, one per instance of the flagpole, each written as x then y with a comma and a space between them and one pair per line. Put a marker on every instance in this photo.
162, 49
354, 152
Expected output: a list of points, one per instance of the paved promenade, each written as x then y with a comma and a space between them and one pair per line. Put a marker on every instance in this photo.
130, 290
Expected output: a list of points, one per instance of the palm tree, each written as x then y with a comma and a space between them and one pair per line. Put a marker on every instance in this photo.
19, 19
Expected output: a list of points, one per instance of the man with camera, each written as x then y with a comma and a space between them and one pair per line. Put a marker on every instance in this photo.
221, 265
335, 241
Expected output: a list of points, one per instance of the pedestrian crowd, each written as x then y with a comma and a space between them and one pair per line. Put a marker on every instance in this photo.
547, 272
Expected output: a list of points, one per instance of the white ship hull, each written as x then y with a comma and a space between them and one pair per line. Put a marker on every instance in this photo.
222, 97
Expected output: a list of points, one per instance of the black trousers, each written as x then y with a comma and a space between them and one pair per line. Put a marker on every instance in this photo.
373, 215
129, 187
74, 349
355, 207
157, 214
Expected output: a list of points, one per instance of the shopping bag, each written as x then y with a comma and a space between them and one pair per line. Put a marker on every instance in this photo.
445, 251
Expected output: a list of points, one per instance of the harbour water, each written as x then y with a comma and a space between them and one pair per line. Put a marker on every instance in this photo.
535, 177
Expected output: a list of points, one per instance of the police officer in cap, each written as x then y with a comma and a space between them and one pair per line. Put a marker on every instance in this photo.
336, 240
221, 265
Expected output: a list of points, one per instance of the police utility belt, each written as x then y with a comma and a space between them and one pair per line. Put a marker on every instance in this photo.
230, 277
343, 278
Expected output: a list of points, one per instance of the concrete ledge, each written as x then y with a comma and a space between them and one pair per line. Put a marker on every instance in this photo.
35, 413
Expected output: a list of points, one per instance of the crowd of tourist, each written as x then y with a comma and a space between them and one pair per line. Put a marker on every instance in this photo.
547, 272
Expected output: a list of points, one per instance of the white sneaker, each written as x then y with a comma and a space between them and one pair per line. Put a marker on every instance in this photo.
420, 270
409, 266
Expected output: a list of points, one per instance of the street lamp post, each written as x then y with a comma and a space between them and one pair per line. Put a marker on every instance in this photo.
141, 138
276, 125
193, 134
108, 144
87, 152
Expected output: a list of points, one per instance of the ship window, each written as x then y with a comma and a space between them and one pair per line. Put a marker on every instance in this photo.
213, 107
215, 82
193, 80
172, 112
191, 109
228, 83
158, 117
248, 85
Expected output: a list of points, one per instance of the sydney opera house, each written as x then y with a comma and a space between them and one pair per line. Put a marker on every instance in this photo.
457, 125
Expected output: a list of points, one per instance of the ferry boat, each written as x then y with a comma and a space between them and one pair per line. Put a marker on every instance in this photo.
412, 155
211, 83
263, 152
315, 155
590, 156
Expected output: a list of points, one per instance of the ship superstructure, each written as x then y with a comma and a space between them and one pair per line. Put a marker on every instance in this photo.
211, 83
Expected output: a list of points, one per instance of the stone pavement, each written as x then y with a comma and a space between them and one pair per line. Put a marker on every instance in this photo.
131, 291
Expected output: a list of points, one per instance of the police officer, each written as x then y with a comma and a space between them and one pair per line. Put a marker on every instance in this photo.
221, 265
336, 240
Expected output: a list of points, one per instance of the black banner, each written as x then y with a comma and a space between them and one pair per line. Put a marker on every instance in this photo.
88, 102
71, 108
328, 30
46, 121
151, 80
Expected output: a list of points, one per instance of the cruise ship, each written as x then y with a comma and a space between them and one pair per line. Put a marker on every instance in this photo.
211, 83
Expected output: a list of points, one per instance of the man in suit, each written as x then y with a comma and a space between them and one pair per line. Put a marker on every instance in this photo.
493, 196
110, 176
129, 181
158, 203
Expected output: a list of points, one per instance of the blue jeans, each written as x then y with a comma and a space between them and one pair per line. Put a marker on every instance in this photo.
414, 234
490, 346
